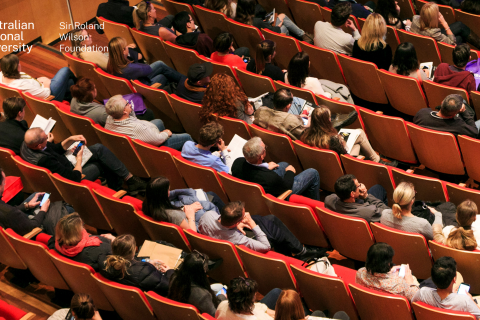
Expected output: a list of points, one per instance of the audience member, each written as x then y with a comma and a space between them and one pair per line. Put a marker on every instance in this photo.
123, 267
465, 236
194, 85
82, 48
405, 62
83, 93
210, 136
348, 197
248, 14
358, 10
456, 75
444, 273
263, 63
190, 284
147, 22
274, 178
38, 151
451, 3
241, 303
224, 98
189, 37
279, 119
226, 54
331, 36
228, 8
390, 11
427, 23
380, 273
400, 216
471, 6
453, 117
72, 241
118, 11
81, 307
42, 87
371, 46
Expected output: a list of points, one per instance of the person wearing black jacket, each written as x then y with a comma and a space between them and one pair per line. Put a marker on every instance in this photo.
122, 267
117, 11
188, 37
274, 178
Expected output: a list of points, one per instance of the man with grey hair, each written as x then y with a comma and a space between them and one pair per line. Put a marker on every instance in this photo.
274, 178
122, 119
454, 117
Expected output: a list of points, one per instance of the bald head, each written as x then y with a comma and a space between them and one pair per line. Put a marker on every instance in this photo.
35, 137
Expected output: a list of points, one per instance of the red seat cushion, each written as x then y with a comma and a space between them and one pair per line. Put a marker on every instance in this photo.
306, 201
347, 274
9, 312
137, 204
43, 238
13, 185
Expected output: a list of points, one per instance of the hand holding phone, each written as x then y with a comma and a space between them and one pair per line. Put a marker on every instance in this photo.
44, 198
77, 149
401, 273
464, 288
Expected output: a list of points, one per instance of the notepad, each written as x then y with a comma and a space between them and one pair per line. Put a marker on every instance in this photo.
45, 124
350, 136
87, 154
169, 255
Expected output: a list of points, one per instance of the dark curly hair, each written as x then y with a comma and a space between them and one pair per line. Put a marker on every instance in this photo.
221, 98
241, 295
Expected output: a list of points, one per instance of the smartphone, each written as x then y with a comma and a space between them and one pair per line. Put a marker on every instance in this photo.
44, 198
401, 273
463, 288
223, 291
77, 149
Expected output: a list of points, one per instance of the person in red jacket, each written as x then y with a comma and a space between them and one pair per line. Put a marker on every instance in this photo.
456, 75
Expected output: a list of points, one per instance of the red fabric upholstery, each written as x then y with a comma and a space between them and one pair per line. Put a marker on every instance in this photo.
347, 274
307, 201
288, 260
43, 238
98, 187
9, 312
65, 105
137, 204
314, 202
173, 152
13, 185
207, 316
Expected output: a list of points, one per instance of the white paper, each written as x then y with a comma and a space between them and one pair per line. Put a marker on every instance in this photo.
350, 136
200, 194
45, 124
429, 69
87, 154
236, 147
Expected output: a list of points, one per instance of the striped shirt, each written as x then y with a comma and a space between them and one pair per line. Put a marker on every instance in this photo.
137, 129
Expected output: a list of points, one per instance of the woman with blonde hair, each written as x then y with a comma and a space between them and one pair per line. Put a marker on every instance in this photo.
82, 49
427, 24
120, 64
400, 216
122, 267
146, 20
464, 236
371, 46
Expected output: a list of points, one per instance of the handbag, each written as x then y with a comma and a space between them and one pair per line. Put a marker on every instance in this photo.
321, 265
136, 101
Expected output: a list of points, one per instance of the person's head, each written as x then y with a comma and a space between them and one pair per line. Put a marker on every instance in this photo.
387, 8
451, 105
254, 150
404, 197
462, 238
374, 32
461, 55
289, 306
117, 55
265, 52
223, 43
340, 13
245, 11
199, 74
84, 90
82, 307
405, 59
429, 16
123, 252
14, 108
320, 130
471, 6
80, 38
117, 107
220, 6
183, 22
347, 187
156, 199
210, 134
36, 139
282, 99
379, 258
145, 11
241, 295
298, 69
444, 271
10, 66
69, 230
232, 214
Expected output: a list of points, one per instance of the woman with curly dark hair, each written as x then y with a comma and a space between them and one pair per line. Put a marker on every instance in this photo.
225, 98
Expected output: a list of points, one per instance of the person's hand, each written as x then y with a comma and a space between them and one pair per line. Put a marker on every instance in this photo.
80, 154
45, 206
442, 21
432, 210
50, 137
463, 108
241, 226
408, 275
168, 132
221, 145
131, 45
281, 17
304, 116
78, 137
108, 236
290, 168
191, 209
248, 221
363, 191
35, 201
395, 269
272, 165
408, 23
349, 24
160, 265
45, 81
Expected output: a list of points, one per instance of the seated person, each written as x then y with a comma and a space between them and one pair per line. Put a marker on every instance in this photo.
405, 62
83, 93
331, 36
190, 284
358, 10
82, 48
353, 199
123, 267
228, 8
456, 75
210, 136
42, 87
38, 151
117, 11
147, 22
263, 63
453, 117
194, 85
72, 241
226, 54
279, 119
81, 307
400, 216
380, 274
444, 273
122, 119
274, 178
188, 37
269, 231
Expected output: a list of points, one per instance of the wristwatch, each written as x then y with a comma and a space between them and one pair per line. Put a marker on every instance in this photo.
26, 205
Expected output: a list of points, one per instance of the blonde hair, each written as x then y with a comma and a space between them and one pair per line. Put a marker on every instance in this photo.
429, 16
68, 231
123, 251
76, 39
373, 33
116, 58
115, 106
402, 196
462, 238
140, 14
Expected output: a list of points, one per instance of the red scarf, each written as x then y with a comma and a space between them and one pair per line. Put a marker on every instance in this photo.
72, 251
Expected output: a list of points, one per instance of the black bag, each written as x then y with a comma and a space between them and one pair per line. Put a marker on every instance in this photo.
448, 210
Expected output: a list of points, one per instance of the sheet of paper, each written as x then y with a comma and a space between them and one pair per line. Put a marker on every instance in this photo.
41, 122
350, 136
236, 147
169, 255
87, 154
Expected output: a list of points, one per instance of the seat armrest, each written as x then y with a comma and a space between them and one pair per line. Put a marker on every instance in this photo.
50, 98
156, 85
28, 316
119, 194
32, 233
284, 195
